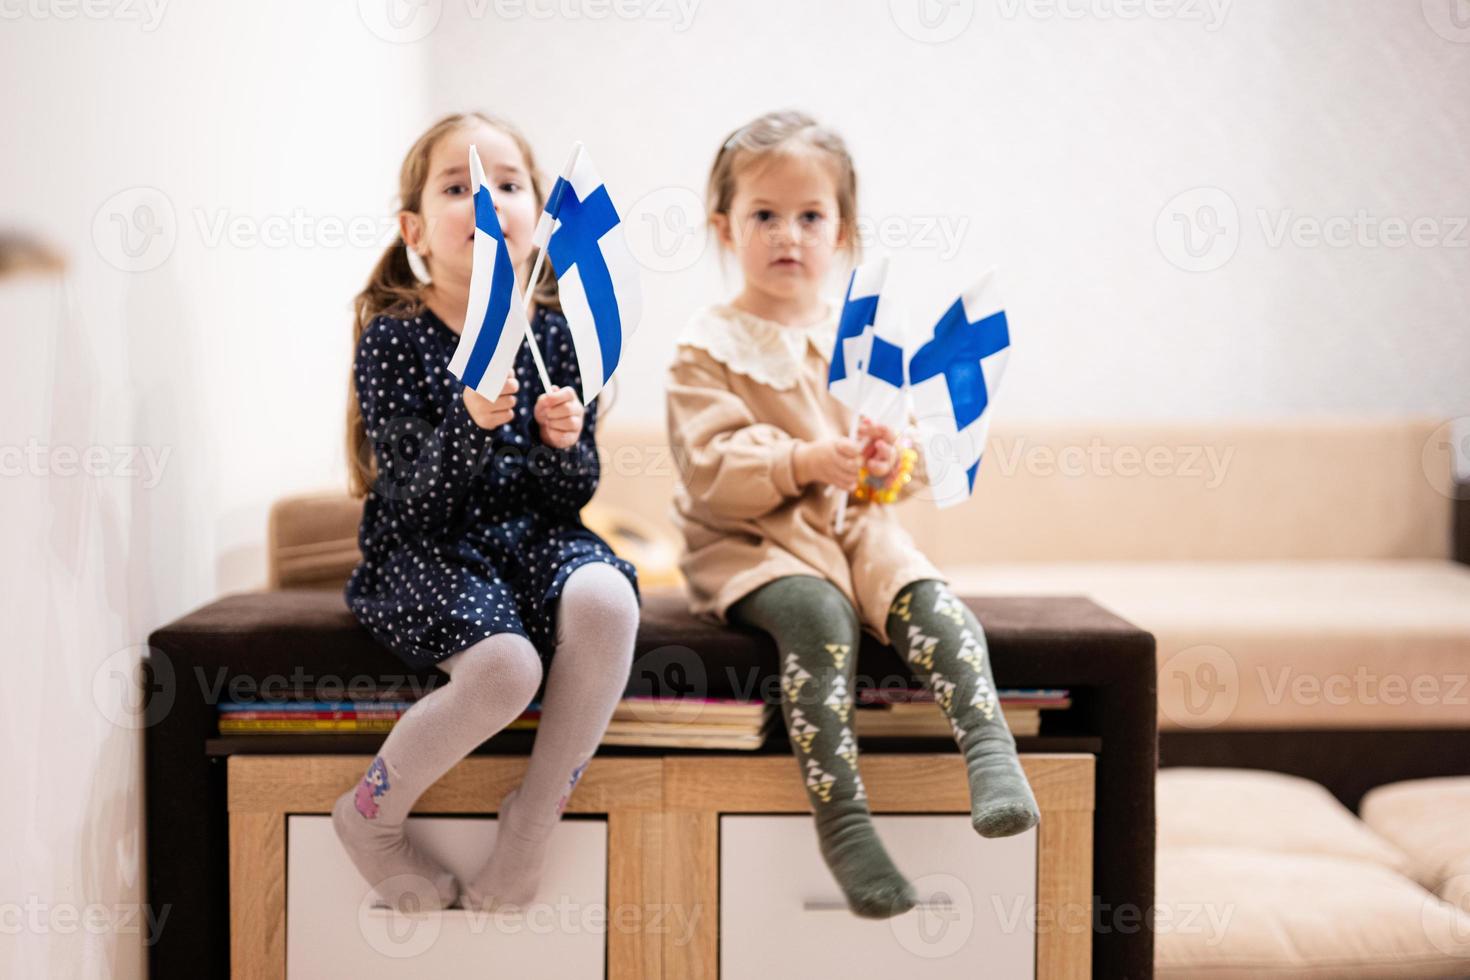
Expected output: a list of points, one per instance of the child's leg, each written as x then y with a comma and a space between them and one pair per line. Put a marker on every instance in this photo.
945, 645
597, 623
817, 635
492, 683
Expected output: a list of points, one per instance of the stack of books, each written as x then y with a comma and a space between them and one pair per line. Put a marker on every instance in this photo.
304, 716
697, 723
908, 713
709, 723
691, 723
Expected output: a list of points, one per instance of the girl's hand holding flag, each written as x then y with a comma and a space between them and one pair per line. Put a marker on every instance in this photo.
489, 414
880, 447
559, 415
834, 461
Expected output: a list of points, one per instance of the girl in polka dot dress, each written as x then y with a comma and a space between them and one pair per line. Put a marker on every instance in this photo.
474, 558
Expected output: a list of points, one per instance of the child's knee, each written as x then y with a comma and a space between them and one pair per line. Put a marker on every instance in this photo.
602, 591
506, 663
816, 604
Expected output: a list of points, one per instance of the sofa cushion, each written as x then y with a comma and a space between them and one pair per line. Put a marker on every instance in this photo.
1429, 820
1278, 645
1237, 912
1267, 811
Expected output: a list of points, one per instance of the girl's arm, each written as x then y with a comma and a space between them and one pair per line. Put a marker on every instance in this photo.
425, 464
730, 463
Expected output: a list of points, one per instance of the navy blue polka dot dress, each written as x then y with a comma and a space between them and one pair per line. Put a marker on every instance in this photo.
467, 532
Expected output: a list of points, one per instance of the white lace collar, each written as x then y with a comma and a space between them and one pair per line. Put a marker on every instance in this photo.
762, 350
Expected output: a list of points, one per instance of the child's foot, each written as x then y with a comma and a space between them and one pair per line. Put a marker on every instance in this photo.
873, 886
402, 876
1001, 801
512, 876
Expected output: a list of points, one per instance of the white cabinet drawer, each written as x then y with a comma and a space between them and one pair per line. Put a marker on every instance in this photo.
782, 914
332, 930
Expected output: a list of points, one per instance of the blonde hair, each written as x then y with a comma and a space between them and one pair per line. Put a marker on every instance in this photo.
392, 287
786, 133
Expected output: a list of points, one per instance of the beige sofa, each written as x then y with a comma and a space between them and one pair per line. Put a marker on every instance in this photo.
1297, 575
1292, 573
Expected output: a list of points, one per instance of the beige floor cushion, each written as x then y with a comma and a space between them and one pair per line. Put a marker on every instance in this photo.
1266, 811
1298, 644
1429, 820
1236, 912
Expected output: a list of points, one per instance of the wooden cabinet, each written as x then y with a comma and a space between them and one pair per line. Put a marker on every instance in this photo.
685, 866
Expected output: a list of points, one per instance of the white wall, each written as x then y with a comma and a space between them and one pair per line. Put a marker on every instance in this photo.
1055, 143
227, 363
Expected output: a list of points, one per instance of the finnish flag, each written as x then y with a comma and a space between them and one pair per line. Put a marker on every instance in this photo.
495, 319
866, 371
597, 276
953, 375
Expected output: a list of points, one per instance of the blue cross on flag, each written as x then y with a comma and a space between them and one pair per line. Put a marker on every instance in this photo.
866, 371
495, 320
953, 375
597, 276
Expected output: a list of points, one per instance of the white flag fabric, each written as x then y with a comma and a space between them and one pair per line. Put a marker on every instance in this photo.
953, 374
866, 372
495, 319
597, 276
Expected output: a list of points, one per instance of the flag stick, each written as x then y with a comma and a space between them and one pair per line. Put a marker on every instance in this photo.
545, 226
852, 431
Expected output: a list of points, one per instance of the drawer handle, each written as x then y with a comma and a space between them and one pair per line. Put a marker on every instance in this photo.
379, 911
939, 903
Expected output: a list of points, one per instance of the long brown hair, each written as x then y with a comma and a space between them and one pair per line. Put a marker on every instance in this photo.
786, 132
392, 287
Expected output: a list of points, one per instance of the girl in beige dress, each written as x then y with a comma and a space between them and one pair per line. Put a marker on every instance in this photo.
765, 462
